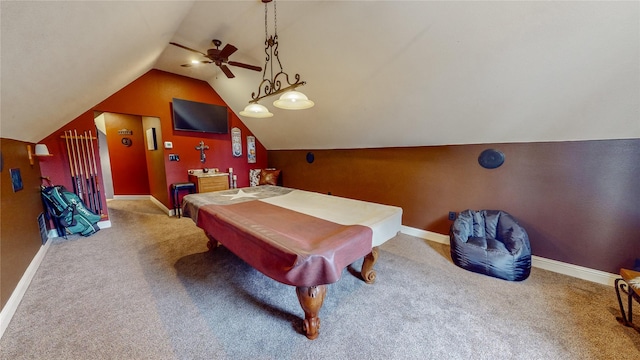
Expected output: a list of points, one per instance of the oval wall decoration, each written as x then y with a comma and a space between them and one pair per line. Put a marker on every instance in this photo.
491, 159
310, 157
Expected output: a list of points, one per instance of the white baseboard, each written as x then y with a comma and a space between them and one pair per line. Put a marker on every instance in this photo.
161, 205
575, 271
104, 224
131, 197
16, 296
427, 235
52, 233
151, 198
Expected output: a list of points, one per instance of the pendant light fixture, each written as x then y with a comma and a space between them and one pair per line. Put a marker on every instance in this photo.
256, 110
273, 85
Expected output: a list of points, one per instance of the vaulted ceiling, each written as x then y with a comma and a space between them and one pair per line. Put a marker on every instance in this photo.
382, 73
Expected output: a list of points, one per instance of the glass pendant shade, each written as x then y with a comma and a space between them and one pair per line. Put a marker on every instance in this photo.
293, 100
275, 82
256, 111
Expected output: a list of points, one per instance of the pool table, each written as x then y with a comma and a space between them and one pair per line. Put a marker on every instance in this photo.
299, 238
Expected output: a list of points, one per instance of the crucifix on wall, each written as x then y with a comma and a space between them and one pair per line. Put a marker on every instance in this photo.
202, 147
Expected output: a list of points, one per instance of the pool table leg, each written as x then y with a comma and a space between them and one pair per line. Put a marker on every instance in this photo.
212, 244
311, 298
367, 272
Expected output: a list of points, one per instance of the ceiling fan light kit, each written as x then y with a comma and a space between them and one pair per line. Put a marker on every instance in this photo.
290, 99
218, 57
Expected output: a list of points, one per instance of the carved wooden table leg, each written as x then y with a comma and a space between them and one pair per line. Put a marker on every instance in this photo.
212, 244
311, 298
368, 274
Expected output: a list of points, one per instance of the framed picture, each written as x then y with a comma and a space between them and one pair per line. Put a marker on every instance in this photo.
251, 149
16, 179
152, 144
236, 142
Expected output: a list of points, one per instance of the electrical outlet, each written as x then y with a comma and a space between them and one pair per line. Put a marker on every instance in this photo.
452, 215
174, 157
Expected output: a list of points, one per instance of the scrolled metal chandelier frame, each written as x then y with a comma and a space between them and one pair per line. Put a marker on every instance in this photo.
277, 82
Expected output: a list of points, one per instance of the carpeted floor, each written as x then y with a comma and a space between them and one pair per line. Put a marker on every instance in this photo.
147, 288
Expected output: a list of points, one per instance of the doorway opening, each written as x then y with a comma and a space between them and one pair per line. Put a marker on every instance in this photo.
131, 157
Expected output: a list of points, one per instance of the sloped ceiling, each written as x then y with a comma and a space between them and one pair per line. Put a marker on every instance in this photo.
58, 59
382, 73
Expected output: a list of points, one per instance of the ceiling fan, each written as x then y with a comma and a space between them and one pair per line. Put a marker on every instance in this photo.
219, 57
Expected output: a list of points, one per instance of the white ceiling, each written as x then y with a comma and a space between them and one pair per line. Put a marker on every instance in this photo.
382, 73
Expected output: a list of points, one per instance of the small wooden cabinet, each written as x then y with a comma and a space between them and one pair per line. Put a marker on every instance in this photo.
210, 183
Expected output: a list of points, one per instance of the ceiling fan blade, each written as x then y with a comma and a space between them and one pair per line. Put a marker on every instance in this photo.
226, 71
188, 48
227, 51
246, 66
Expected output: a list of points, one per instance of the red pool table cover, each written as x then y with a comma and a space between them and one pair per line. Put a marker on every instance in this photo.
288, 246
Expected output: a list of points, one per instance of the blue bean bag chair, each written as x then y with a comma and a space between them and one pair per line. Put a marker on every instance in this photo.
491, 242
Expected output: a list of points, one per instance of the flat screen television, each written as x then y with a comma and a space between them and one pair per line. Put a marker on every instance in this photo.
200, 117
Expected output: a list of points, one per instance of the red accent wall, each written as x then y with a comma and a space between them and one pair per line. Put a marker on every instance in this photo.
151, 95
57, 167
128, 163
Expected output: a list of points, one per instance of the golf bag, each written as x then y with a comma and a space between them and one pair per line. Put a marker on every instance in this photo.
69, 213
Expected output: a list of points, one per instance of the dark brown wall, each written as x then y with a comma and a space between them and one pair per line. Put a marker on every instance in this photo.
579, 201
19, 233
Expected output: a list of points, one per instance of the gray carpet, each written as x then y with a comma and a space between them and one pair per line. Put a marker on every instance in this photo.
147, 288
